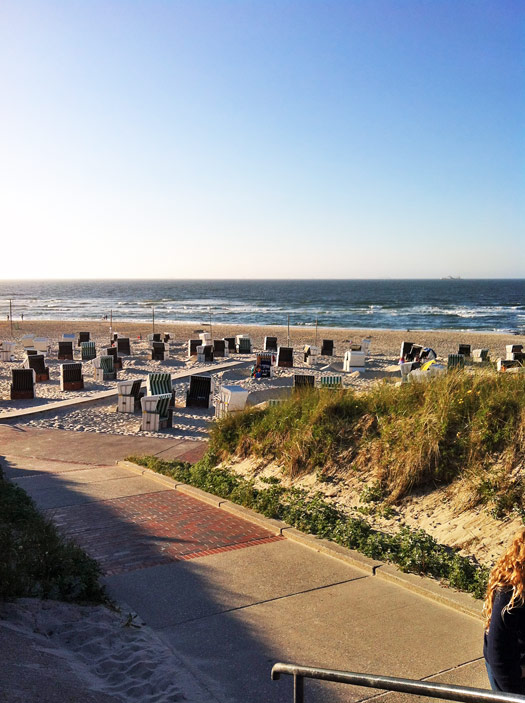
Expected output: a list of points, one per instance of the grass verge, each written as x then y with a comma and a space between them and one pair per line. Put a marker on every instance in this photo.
411, 550
35, 561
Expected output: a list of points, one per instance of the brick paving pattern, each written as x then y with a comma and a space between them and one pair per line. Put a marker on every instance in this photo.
136, 532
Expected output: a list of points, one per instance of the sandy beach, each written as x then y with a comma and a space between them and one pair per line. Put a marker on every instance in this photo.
194, 423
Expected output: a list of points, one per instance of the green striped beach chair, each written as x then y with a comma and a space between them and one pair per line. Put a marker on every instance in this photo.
156, 412
159, 383
88, 351
455, 361
107, 364
331, 382
275, 401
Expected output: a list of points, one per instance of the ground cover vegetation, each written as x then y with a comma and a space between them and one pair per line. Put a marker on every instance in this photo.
35, 561
412, 550
460, 427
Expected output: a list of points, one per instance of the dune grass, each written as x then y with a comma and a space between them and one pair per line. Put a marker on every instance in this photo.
35, 561
468, 425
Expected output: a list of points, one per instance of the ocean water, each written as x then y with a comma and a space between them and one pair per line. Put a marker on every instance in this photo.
483, 305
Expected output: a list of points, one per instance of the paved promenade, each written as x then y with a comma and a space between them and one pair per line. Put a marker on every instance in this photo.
232, 596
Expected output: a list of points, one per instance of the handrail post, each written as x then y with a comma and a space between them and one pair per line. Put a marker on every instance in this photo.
298, 688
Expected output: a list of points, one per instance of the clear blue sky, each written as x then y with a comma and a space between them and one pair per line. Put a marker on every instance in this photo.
268, 138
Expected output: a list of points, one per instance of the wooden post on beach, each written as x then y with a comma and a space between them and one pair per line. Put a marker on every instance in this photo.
288, 331
211, 336
316, 331
11, 315
153, 318
111, 326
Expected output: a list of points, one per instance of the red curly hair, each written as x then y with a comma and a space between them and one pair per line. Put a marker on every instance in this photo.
507, 573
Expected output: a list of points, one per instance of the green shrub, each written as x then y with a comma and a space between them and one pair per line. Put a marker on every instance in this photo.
35, 561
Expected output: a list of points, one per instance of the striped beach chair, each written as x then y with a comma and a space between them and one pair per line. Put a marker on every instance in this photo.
65, 350
71, 378
275, 401
331, 382
230, 344
199, 393
22, 384
38, 364
244, 345
455, 361
303, 382
107, 365
88, 351
285, 357
156, 412
129, 395
160, 383
123, 346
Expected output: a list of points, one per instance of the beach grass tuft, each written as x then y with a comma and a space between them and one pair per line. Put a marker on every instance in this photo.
416, 436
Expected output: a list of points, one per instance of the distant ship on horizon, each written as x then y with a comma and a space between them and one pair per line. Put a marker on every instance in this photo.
451, 278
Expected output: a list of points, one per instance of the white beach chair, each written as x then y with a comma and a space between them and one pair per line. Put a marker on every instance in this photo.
27, 341
6, 351
42, 344
354, 359
232, 399
155, 412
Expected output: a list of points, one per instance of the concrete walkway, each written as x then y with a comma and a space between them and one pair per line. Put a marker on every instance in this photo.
230, 596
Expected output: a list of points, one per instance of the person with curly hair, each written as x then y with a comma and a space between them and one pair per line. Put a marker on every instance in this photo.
504, 611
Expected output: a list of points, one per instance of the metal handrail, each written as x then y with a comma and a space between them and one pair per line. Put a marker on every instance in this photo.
390, 683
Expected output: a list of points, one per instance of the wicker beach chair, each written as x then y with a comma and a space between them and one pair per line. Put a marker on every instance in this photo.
22, 384
270, 344
232, 399
38, 364
327, 347
71, 378
192, 346
464, 349
65, 350
303, 382
123, 346
159, 383
6, 351
205, 353
230, 342
83, 337
285, 357
480, 356
107, 366
263, 362
88, 351
129, 394
243, 345
198, 395
331, 382
219, 347
157, 413
455, 361
158, 351
117, 361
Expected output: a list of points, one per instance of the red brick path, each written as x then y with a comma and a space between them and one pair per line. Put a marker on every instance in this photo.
136, 532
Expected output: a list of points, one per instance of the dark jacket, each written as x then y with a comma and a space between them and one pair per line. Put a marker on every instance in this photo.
504, 645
